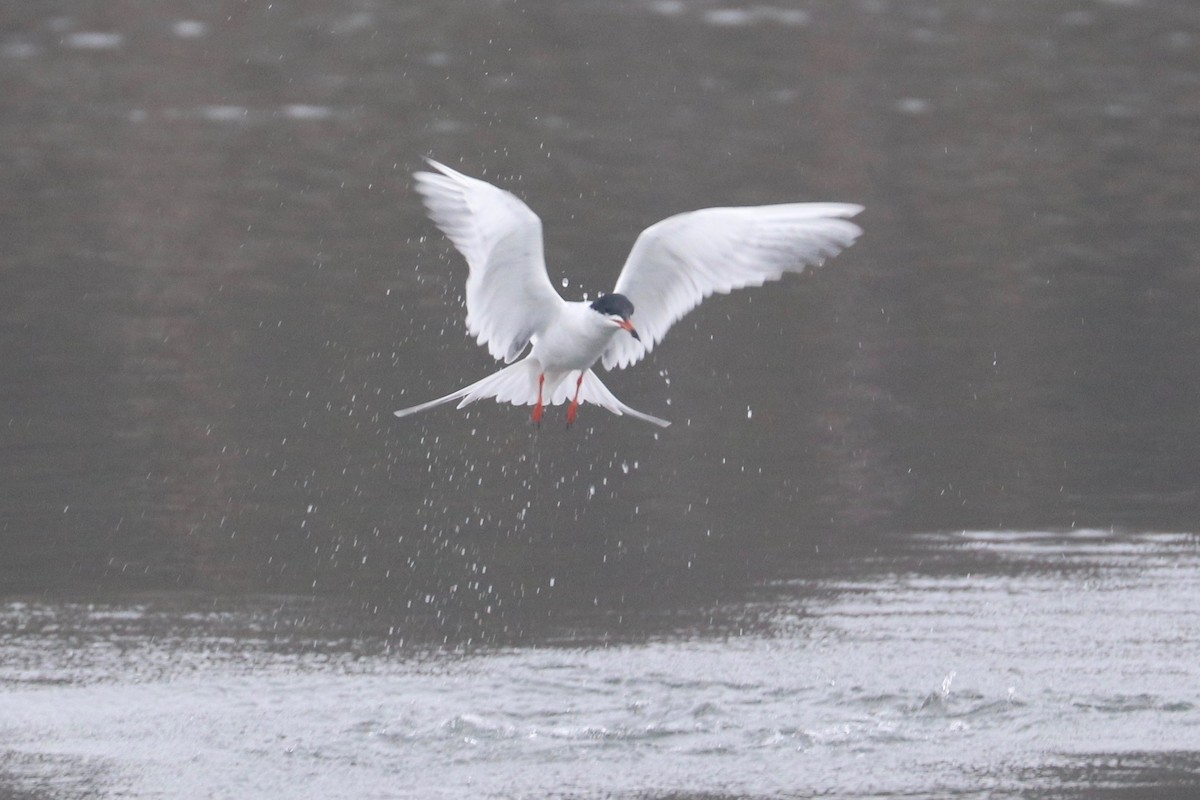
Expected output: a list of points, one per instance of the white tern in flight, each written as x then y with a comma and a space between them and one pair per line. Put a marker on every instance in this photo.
674, 264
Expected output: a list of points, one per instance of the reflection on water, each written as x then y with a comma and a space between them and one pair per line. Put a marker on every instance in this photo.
988, 662
217, 284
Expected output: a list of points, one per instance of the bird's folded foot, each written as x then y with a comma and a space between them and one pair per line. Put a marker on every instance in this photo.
538, 408
574, 407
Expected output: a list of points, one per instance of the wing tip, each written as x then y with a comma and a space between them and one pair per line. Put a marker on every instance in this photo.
446, 173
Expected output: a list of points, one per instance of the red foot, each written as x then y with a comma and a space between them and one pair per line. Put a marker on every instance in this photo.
574, 407
538, 409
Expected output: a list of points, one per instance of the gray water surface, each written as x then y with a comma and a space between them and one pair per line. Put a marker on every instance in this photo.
990, 664
925, 521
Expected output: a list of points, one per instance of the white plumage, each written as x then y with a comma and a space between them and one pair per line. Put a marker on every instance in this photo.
673, 266
680, 261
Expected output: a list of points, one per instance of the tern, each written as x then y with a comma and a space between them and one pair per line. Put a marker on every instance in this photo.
673, 266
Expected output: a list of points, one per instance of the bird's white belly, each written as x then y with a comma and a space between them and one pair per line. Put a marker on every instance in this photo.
575, 341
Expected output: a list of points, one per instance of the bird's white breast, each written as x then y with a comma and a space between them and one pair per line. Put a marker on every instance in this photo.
575, 339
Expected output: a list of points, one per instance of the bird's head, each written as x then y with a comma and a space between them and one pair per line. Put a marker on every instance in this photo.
617, 309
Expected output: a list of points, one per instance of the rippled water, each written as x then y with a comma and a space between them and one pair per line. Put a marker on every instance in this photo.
988, 665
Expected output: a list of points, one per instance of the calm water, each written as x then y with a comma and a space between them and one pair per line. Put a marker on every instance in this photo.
926, 522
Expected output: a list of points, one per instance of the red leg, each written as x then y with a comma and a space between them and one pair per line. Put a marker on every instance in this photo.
574, 407
537, 410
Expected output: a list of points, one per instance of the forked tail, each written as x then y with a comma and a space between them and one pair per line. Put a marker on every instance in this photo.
594, 392
518, 384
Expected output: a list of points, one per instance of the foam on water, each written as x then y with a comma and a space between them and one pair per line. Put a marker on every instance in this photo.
94, 40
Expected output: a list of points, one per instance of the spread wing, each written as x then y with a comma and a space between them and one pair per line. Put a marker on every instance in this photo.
680, 261
509, 296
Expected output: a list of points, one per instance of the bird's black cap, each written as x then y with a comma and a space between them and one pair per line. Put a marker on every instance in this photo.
617, 304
